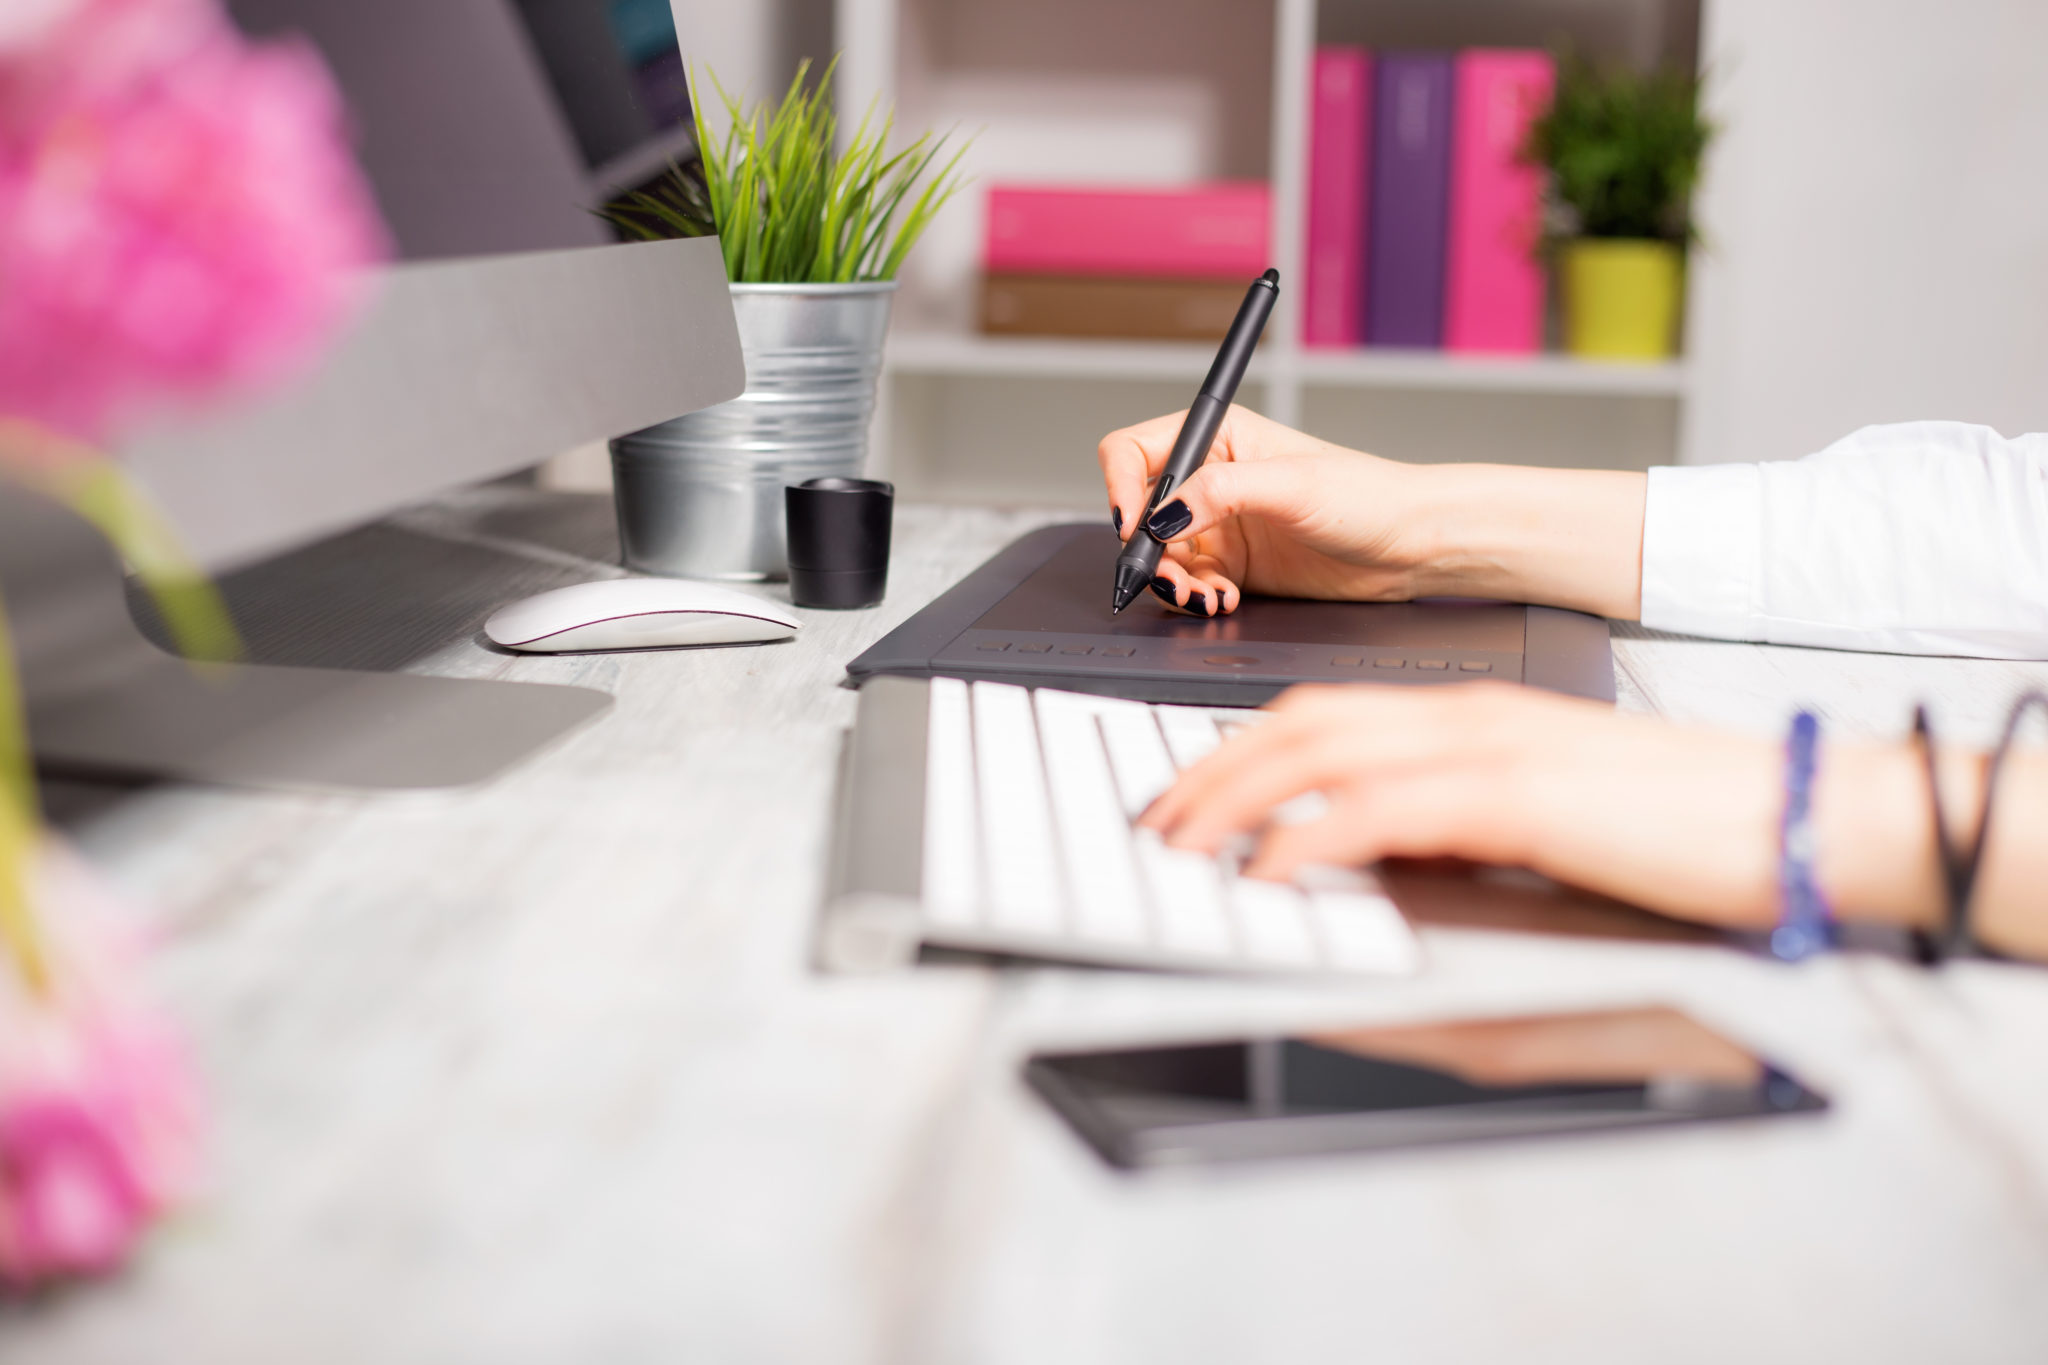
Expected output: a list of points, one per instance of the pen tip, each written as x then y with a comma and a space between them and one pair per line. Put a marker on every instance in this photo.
1271, 277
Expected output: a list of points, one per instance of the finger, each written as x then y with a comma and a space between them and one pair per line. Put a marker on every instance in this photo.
1208, 574
1241, 801
1179, 589
1353, 732
1131, 458
1171, 581
1462, 811
1267, 744
1277, 489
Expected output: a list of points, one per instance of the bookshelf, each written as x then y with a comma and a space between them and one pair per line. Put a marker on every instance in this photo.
1195, 90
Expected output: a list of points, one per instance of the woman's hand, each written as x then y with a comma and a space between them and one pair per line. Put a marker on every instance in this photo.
1275, 511
1271, 511
1677, 820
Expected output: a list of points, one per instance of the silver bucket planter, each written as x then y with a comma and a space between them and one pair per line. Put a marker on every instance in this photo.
701, 496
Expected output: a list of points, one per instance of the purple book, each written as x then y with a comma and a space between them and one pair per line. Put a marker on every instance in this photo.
1411, 182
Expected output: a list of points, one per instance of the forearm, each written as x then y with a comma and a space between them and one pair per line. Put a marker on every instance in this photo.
1556, 537
1877, 858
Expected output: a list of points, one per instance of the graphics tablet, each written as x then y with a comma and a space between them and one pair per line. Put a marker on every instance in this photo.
1038, 614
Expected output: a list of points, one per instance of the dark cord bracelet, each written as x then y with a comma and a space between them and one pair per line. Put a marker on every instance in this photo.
1959, 868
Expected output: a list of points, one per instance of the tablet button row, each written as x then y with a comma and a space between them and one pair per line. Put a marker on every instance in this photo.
1107, 652
1425, 665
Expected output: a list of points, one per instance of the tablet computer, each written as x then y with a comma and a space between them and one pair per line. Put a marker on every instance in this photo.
1410, 1085
1038, 614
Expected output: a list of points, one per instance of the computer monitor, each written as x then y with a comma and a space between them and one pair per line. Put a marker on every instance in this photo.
460, 369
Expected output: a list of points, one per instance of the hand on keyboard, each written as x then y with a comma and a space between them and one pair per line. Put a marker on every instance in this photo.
1677, 820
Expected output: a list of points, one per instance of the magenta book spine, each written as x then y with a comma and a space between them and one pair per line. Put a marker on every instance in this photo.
1214, 231
1493, 282
1340, 142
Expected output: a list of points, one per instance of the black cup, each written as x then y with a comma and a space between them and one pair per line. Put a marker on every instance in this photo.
838, 541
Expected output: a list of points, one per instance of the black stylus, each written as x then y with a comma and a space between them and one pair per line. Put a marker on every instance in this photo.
1139, 562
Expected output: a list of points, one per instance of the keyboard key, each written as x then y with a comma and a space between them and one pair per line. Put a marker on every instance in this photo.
1389, 663
1365, 933
1348, 660
1271, 922
1438, 664
952, 874
1137, 755
1190, 733
1117, 652
1016, 814
1187, 897
1094, 833
1034, 649
1475, 666
993, 646
1078, 649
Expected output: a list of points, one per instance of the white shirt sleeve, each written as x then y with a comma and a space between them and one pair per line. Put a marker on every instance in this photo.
1921, 538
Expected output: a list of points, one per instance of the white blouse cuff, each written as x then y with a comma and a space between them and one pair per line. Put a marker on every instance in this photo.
1703, 549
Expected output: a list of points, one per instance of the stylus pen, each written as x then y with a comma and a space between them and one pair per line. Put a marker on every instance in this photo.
1139, 562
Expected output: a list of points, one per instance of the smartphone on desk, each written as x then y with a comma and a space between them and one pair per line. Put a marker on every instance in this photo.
1409, 1085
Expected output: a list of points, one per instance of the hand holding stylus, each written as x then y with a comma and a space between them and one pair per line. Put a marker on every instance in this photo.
1278, 512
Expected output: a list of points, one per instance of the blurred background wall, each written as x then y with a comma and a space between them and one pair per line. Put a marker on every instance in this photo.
1877, 220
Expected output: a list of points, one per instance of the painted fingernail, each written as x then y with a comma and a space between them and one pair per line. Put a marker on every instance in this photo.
1170, 520
1116, 517
1198, 603
1162, 589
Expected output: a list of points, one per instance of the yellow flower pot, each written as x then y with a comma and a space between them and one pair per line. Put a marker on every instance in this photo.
1621, 298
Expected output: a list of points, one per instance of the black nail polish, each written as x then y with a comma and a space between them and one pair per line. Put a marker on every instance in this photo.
1116, 518
1162, 589
1198, 603
1170, 520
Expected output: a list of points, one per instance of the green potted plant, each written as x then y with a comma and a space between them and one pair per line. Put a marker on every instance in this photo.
1622, 151
813, 237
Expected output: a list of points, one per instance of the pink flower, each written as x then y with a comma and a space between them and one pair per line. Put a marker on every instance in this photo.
180, 217
98, 1116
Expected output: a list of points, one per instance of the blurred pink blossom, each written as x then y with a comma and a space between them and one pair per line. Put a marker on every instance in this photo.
181, 218
98, 1117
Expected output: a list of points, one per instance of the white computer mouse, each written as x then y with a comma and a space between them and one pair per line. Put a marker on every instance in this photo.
638, 613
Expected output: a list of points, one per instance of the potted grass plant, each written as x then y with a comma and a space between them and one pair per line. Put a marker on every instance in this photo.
813, 236
1622, 151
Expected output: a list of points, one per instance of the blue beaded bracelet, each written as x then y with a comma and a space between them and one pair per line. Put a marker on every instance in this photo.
1805, 925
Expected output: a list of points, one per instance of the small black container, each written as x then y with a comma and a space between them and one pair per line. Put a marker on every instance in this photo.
839, 541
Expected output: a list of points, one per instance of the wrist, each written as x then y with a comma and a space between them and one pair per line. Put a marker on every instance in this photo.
1556, 537
1874, 828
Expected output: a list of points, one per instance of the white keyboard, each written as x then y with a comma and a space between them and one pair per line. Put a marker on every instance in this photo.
1029, 848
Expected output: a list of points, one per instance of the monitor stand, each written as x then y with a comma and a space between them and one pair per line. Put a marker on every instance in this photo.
104, 701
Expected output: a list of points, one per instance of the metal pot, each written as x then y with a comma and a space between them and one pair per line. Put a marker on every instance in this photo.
701, 496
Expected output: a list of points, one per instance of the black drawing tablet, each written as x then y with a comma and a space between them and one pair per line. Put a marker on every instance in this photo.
1038, 614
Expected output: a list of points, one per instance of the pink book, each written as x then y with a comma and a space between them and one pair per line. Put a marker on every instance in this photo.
1213, 231
1493, 284
1339, 147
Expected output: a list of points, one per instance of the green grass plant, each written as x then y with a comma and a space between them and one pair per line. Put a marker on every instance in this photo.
1623, 151
787, 206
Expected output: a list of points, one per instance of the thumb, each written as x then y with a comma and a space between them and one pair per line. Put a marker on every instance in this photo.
1276, 489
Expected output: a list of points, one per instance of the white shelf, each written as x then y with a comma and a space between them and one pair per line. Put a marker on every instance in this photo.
639, 163
932, 352
1404, 369
969, 354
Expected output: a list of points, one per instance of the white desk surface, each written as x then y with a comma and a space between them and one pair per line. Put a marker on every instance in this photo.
540, 1072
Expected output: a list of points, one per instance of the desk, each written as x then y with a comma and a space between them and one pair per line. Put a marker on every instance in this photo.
540, 1072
